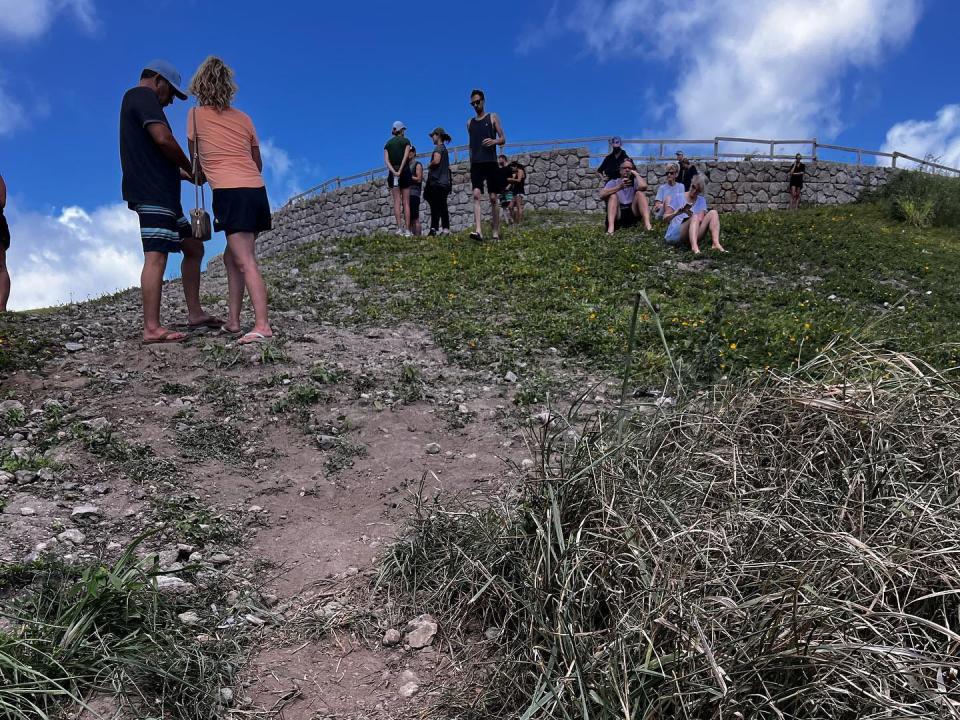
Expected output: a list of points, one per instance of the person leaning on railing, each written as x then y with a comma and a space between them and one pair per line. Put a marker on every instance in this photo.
439, 183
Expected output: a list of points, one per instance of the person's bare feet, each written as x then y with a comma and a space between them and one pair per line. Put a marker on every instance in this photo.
205, 320
719, 248
162, 335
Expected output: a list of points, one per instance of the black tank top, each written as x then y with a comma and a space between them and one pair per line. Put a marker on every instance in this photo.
480, 130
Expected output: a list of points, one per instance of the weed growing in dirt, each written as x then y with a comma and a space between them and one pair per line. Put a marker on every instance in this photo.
221, 355
342, 456
211, 440
75, 631
784, 546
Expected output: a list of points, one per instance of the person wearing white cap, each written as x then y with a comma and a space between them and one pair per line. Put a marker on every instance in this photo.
396, 156
153, 164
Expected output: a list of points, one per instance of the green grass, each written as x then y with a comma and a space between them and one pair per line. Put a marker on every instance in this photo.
76, 631
790, 283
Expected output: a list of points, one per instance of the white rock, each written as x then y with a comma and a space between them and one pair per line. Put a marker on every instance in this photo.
27, 511
408, 690
527, 464
189, 618
85, 511
432, 448
421, 631
226, 696
510, 377
173, 585
74, 536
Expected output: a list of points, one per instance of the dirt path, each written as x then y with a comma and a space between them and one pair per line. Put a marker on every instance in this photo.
306, 453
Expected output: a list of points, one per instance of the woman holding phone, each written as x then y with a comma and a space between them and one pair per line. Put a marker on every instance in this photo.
691, 221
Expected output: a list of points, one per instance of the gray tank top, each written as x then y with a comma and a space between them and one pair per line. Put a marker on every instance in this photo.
480, 130
440, 175
414, 185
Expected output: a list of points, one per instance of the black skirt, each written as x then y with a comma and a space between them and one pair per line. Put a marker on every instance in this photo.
241, 210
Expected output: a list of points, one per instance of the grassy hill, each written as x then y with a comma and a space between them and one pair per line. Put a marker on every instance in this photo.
788, 286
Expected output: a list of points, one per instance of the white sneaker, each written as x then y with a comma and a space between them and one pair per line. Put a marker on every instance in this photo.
398, 231
406, 233
445, 231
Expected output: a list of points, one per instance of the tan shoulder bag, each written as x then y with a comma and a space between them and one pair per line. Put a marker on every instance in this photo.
199, 217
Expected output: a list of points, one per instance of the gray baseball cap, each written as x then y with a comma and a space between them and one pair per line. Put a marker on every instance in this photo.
169, 73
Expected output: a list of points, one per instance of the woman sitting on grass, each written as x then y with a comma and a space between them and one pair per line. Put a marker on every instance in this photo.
691, 222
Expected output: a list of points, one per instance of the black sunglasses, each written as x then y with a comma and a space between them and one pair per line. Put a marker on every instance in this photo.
476, 102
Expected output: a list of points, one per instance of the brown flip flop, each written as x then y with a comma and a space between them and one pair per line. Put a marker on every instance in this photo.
170, 336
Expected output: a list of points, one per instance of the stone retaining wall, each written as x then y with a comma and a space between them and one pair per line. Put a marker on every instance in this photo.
564, 180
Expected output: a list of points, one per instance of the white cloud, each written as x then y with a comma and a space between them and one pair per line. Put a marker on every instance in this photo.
29, 19
938, 139
283, 174
760, 68
73, 256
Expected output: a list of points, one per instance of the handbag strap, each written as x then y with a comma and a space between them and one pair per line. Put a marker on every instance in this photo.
199, 197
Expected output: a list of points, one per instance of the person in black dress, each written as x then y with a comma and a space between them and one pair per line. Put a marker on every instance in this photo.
796, 182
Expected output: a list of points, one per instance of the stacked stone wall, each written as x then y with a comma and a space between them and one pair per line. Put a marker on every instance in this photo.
564, 180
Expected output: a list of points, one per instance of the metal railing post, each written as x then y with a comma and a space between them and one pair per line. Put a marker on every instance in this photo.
893, 164
813, 149
859, 158
716, 149
771, 150
660, 157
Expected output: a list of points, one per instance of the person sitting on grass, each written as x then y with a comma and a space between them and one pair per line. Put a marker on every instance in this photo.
671, 188
626, 199
690, 222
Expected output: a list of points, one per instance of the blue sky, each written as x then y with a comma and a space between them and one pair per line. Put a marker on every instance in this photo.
323, 82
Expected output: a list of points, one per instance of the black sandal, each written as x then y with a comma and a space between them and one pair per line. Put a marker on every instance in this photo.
476, 236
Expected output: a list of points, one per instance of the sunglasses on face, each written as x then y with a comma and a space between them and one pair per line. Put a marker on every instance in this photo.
476, 102
671, 172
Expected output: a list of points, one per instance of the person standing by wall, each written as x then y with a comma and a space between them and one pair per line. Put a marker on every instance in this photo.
153, 164
687, 170
519, 182
506, 197
416, 183
395, 157
610, 167
225, 142
4, 246
796, 181
486, 134
439, 183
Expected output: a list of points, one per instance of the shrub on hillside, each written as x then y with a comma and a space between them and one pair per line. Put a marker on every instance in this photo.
922, 199
784, 547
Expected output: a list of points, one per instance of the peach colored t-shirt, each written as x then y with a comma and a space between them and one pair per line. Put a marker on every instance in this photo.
226, 139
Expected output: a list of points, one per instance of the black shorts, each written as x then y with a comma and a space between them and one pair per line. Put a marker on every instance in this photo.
489, 174
162, 229
405, 180
414, 207
4, 233
241, 210
626, 218
796, 182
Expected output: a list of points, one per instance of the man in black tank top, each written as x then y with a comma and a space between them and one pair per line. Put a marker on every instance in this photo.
485, 134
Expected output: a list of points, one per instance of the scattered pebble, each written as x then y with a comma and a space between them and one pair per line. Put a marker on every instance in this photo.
392, 637
432, 448
421, 631
511, 377
27, 511
189, 618
74, 536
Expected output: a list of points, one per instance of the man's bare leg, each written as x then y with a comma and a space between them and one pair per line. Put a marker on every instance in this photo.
190, 277
151, 286
612, 208
495, 215
477, 212
642, 208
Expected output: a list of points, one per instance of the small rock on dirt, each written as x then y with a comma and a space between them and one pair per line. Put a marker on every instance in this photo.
189, 618
74, 536
27, 511
511, 376
172, 585
421, 631
391, 637
226, 696
219, 558
85, 511
73, 347
432, 448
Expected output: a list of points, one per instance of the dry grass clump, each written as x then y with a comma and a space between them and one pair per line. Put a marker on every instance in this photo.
783, 547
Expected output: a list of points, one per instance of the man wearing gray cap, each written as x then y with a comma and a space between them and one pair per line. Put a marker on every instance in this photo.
153, 164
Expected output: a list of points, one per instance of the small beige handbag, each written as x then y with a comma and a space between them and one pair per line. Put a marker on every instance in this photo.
199, 217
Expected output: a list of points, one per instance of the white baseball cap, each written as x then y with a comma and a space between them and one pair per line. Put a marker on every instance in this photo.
399, 126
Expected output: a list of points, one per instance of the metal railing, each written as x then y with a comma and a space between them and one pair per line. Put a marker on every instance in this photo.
665, 150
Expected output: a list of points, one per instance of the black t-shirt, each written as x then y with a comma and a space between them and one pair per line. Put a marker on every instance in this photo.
611, 163
148, 176
686, 175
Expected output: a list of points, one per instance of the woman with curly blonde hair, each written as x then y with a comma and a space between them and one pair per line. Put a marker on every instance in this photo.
225, 142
